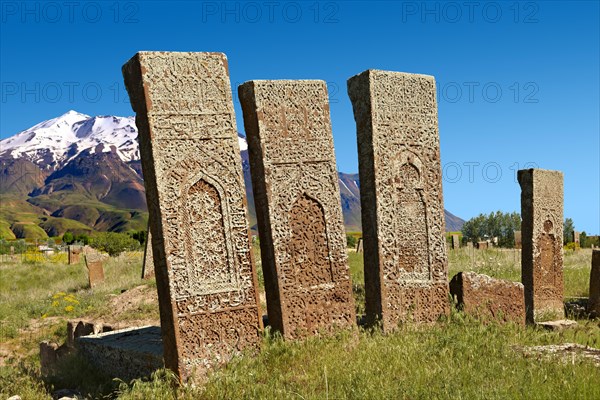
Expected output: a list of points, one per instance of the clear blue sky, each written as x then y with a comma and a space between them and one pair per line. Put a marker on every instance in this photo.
518, 82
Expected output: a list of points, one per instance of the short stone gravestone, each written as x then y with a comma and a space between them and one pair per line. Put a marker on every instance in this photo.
359, 245
482, 245
455, 242
489, 298
95, 270
75, 254
297, 197
12, 250
190, 153
594, 300
542, 254
148, 263
401, 197
518, 240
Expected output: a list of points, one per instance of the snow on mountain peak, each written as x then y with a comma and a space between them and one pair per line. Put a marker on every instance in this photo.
50, 143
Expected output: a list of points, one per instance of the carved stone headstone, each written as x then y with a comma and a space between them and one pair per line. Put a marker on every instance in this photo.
542, 255
95, 269
455, 242
401, 197
190, 153
489, 298
148, 263
594, 300
359, 245
297, 197
576, 237
75, 254
518, 240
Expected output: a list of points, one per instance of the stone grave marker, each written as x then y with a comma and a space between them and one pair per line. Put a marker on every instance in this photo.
542, 253
576, 237
401, 197
594, 299
359, 245
75, 254
469, 244
482, 245
489, 298
297, 197
205, 274
518, 240
148, 263
95, 269
455, 242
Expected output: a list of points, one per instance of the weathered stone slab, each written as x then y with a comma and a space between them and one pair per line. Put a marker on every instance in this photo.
297, 198
489, 298
125, 354
190, 153
95, 270
518, 240
148, 263
575, 237
75, 254
542, 255
455, 242
359, 245
594, 300
482, 245
401, 197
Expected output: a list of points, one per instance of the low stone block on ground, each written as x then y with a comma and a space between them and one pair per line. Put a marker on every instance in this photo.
125, 354
488, 298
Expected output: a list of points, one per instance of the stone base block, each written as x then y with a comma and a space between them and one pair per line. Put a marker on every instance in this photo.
489, 298
126, 354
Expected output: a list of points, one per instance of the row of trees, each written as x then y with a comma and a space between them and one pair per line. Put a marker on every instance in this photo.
502, 225
495, 224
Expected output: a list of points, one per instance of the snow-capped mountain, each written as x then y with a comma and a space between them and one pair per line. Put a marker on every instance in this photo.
52, 144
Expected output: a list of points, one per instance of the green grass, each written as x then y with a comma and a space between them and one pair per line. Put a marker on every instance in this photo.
457, 358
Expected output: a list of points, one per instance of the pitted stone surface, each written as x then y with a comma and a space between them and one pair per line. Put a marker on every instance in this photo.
489, 298
191, 162
95, 269
542, 236
594, 300
297, 197
148, 264
401, 197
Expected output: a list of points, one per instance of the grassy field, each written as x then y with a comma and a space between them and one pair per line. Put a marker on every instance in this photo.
458, 358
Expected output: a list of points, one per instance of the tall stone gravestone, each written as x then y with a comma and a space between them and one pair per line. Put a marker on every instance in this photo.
148, 264
576, 237
401, 197
191, 161
594, 299
297, 197
542, 235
